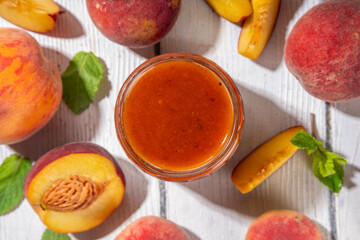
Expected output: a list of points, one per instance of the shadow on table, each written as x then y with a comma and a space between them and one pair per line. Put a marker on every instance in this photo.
200, 37
324, 232
273, 53
66, 26
350, 172
190, 234
147, 52
135, 194
351, 108
263, 119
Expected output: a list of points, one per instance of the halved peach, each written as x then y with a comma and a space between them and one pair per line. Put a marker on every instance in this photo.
258, 27
264, 160
283, 224
152, 228
232, 10
74, 187
33, 15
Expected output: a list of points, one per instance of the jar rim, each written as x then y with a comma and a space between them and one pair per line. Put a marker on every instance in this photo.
228, 148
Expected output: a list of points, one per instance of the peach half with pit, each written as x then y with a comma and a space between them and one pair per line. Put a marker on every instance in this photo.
74, 187
152, 228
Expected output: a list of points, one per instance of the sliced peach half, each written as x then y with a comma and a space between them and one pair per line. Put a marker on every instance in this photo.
264, 160
232, 10
258, 27
33, 15
74, 187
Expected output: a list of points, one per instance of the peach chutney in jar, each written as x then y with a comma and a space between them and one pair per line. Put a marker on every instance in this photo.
178, 115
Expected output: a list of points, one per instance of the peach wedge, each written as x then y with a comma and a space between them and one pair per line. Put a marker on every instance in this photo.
33, 15
74, 187
264, 160
232, 10
258, 27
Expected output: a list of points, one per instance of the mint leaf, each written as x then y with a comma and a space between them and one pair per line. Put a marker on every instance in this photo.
50, 235
12, 175
326, 165
81, 80
335, 181
303, 140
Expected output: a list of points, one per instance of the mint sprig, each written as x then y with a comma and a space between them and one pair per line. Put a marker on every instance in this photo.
326, 165
12, 175
81, 80
50, 235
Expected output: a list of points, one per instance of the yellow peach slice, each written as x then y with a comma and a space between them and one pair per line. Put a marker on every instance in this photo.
265, 160
34, 15
232, 10
258, 27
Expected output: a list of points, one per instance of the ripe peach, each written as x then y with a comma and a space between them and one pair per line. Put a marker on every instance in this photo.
323, 50
34, 15
135, 23
30, 86
152, 228
283, 224
74, 187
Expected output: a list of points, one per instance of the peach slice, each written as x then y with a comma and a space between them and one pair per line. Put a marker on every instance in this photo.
258, 27
264, 160
283, 224
74, 187
232, 10
152, 228
33, 15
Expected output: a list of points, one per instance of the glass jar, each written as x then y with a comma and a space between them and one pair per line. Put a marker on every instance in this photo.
228, 145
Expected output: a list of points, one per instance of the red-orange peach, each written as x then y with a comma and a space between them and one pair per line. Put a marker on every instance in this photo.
30, 86
283, 225
135, 23
74, 187
152, 228
323, 50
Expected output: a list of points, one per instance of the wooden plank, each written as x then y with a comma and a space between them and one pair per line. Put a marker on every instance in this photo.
345, 140
212, 208
75, 32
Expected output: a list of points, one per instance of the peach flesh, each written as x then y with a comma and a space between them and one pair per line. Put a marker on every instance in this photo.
323, 50
87, 161
152, 228
135, 23
283, 225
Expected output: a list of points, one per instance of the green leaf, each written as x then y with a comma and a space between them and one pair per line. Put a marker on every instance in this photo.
335, 181
50, 235
81, 80
326, 165
12, 175
303, 140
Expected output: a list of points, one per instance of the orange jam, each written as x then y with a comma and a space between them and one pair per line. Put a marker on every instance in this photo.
178, 115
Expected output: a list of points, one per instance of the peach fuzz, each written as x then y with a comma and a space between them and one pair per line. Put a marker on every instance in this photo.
323, 50
283, 224
152, 228
30, 86
75, 187
135, 23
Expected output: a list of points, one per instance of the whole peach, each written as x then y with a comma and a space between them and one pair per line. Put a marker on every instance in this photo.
323, 50
134, 23
30, 86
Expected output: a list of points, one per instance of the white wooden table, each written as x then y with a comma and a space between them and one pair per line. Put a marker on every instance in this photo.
210, 208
